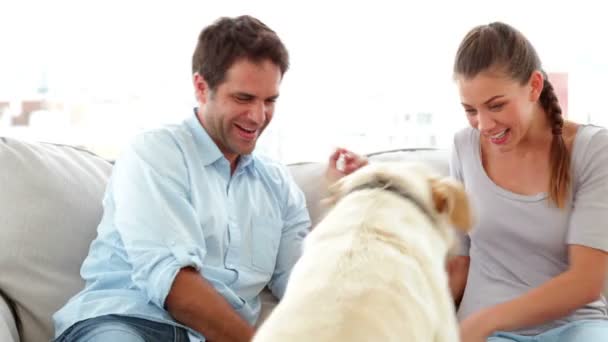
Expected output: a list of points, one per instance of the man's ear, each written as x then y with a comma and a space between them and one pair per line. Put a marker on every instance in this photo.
201, 88
450, 198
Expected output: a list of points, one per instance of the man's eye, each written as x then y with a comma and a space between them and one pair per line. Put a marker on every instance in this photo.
470, 111
243, 98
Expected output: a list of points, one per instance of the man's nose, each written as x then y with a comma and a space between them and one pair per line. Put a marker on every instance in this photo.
257, 112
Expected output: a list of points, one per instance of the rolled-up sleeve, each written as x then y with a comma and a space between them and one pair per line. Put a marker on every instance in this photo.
589, 218
296, 225
153, 214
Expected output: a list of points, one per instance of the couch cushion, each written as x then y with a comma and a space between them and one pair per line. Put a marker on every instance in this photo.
50, 205
8, 326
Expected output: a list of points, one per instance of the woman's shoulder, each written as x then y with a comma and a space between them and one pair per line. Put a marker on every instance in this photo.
589, 137
591, 130
590, 149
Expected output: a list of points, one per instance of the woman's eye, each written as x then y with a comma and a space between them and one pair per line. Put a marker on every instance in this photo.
497, 107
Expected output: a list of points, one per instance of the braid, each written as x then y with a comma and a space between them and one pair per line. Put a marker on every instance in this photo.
550, 104
559, 184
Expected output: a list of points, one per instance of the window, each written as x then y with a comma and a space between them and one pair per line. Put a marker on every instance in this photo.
373, 76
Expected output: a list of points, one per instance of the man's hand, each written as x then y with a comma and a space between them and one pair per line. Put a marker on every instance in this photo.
351, 163
193, 302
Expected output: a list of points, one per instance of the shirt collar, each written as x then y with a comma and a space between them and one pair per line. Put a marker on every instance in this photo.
210, 153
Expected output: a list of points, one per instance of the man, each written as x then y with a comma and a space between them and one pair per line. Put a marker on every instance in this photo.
194, 224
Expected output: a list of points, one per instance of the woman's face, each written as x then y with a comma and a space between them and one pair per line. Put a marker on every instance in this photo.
502, 109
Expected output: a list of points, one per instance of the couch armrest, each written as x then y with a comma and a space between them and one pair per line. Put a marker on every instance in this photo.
8, 326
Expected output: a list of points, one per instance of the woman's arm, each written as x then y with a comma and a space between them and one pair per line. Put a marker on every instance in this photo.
581, 284
458, 271
587, 243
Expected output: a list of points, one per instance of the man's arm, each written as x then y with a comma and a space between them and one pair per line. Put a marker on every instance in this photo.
157, 225
195, 303
296, 225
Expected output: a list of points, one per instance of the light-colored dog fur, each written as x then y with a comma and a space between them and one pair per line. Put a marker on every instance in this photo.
374, 268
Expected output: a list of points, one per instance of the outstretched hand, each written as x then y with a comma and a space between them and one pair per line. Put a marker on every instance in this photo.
351, 162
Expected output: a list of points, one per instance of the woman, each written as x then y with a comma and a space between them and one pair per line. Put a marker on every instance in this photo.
535, 264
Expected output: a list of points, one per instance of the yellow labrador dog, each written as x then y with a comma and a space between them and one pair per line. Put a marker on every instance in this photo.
374, 268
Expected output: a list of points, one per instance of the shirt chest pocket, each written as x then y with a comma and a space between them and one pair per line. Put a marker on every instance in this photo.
265, 239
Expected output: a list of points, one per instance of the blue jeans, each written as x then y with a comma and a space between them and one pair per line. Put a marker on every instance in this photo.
116, 328
578, 331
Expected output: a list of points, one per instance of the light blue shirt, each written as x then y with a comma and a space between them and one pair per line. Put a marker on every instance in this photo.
171, 202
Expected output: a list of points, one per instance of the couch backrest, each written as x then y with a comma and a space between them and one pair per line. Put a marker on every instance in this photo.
50, 205
310, 176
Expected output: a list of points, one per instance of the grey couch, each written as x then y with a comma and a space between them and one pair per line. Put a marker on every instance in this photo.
50, 205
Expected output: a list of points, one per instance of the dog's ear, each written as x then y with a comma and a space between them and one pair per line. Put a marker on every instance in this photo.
450, 198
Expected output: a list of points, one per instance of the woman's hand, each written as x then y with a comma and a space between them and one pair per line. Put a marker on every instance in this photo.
352, 162
477, 327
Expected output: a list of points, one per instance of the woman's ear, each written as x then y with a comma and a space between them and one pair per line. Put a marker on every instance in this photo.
537, 84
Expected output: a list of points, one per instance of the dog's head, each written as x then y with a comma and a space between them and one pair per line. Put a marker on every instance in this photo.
438, 197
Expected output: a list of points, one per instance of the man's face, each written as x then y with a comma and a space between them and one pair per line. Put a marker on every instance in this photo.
236, 113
